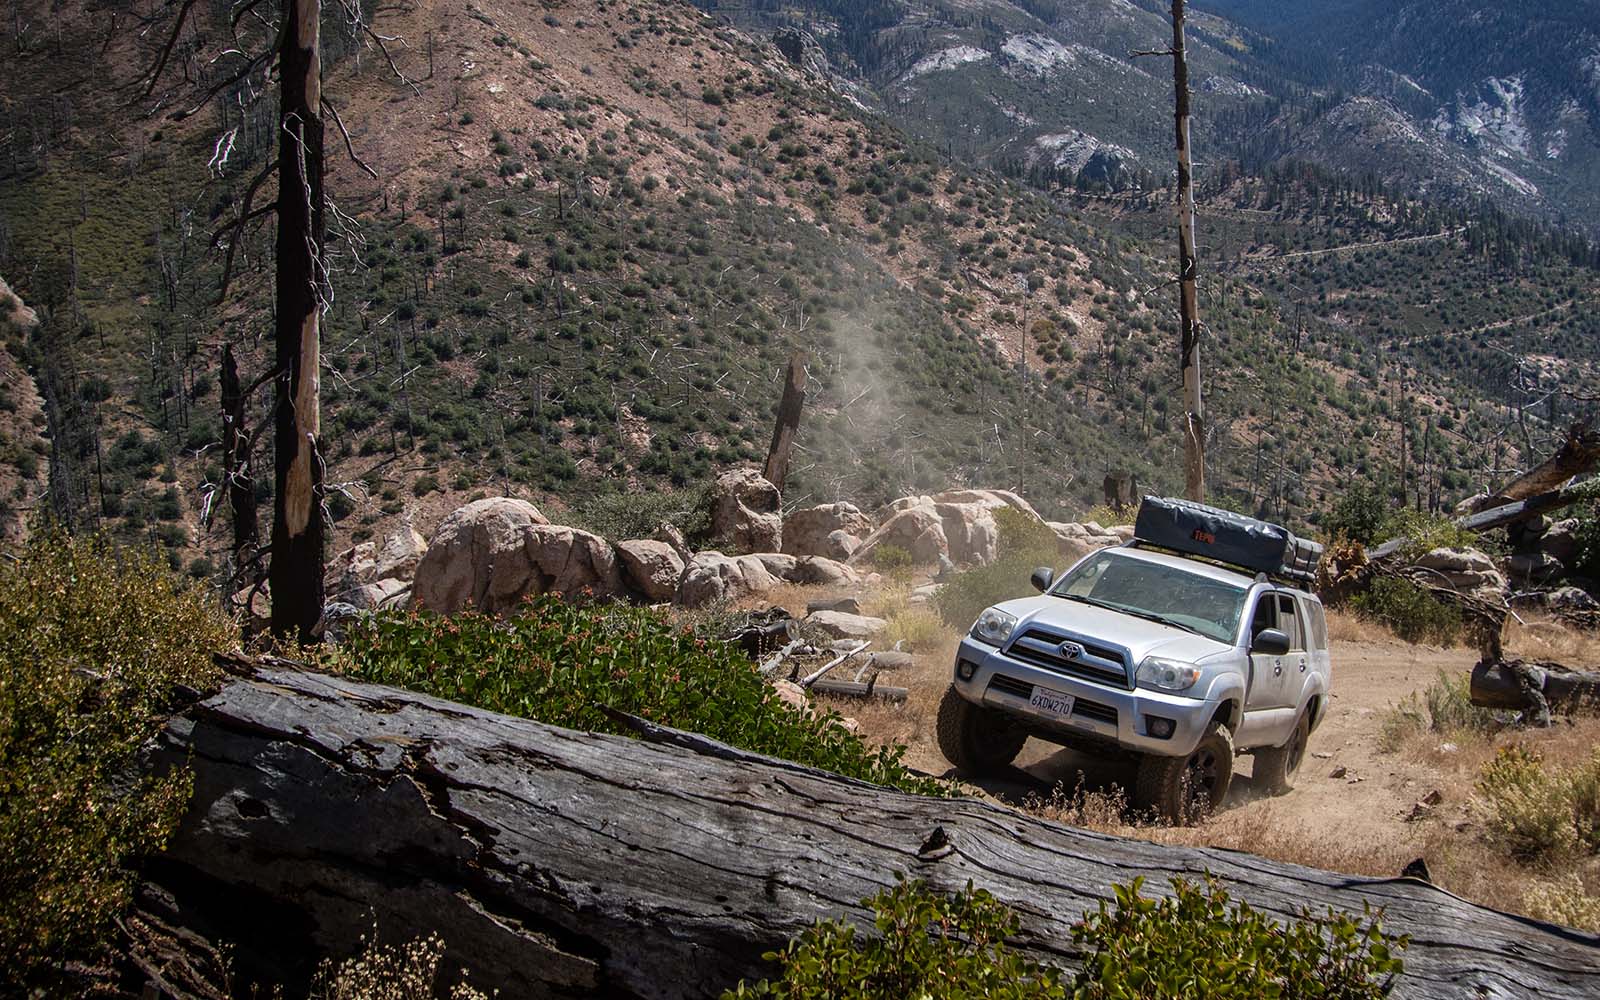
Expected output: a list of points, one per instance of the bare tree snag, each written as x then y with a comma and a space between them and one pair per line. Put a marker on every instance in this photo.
1194, 435
236, 463
297, 529
1579, 454
794, 400
555, 863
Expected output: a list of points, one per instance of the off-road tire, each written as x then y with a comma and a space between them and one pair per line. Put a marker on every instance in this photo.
1276, 767
976, 739
1167, 785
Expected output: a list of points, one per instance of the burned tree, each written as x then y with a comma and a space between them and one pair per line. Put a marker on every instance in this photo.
297, 528
789, 409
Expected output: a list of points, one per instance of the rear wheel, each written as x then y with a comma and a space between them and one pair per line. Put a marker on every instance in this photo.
974, 738
1184, 790
1276, 767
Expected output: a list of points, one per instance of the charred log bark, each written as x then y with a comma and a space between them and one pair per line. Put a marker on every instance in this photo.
564, 864
1536, 688
1579, 454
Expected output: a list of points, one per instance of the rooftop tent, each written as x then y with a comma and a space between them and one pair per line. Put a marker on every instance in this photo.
1195, 529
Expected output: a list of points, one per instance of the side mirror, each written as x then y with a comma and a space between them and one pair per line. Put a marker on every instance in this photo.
1271, 641
1042, 578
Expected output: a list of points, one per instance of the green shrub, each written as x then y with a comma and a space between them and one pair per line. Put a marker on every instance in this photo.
566, 663
891, 560
1538, 814
621, 516
1198, 943
1024, 545
1410, 612
94, 642
1424, 532
928, 946
1445, 707
1358, 514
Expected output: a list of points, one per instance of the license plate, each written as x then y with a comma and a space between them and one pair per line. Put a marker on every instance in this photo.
1054, 702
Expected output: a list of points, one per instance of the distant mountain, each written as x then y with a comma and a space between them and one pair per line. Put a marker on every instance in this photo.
1453, 99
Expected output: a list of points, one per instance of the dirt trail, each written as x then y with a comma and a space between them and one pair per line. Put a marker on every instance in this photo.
1356, 822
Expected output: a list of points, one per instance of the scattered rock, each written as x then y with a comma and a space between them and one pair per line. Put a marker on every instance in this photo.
712, 576
849, 605
1447, 748
831, 530
817, 571
1571, 599
1534, 567
1433, 798
1321, 755
923, 595
1338, 772
891, 660
669, 533
841, 625
946, 568
1419, 810
745, 512
793, 695
374, 596
779, 565
1560, 542
652, 567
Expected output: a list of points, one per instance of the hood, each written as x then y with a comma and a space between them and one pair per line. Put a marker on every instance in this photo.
1139, 636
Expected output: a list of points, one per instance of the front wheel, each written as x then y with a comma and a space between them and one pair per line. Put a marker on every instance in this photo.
1184, 790
974, 738
1276, 767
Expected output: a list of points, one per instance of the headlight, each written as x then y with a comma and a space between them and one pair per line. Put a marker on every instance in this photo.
1167, 675
994, 627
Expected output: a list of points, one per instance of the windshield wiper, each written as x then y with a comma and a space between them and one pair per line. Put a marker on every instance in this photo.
1135, 612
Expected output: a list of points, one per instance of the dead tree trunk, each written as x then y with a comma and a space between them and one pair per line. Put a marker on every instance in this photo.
1194, 435
560, 864
1535, 687
236, 464
1579, 453
794, 400
297, 529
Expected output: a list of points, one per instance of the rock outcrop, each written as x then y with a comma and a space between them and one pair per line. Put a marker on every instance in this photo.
651, 567
745, 512
831, 530
842, 625
1467, 570
713, 576
372, 574
491, 553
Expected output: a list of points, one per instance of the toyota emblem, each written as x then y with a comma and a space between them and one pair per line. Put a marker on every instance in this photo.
1071, 650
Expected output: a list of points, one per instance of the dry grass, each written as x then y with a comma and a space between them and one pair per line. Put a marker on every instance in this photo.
1541, 638
1346, 626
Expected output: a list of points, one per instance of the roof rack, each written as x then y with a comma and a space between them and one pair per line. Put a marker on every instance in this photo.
1221, 536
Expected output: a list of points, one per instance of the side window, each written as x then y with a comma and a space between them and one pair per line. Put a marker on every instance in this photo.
1319, 624
1289, 622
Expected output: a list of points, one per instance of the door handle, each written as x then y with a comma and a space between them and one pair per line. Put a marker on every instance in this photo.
1277, 670
1302, 664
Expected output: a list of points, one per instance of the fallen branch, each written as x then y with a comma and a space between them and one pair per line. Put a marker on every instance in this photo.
812, 678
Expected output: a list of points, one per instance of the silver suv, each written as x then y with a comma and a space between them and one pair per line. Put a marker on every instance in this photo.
1182, 661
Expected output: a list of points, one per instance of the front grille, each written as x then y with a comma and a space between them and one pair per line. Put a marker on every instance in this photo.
1080, 706
1011, 686
1099, 663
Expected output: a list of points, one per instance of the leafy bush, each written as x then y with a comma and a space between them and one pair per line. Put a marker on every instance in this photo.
1358, 514
1198, 942
1024, 545
891, 560
621, 516
566, 663
1410, 612
94, 642
1564, 900
1541, 815
928, 945
1425, 532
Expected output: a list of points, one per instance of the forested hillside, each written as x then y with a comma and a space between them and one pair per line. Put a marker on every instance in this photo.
576, 243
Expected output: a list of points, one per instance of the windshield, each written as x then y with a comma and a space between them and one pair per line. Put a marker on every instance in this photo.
1155, 590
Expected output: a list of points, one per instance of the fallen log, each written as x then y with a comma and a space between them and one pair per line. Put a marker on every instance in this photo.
862, 689
562, 864
1579, 454
1537, 688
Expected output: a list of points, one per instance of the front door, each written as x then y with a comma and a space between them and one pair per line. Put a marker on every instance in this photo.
1274, 679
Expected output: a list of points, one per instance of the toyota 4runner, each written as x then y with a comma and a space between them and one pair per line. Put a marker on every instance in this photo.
1186, 646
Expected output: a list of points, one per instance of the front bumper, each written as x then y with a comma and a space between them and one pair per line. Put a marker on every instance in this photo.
1100, 712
